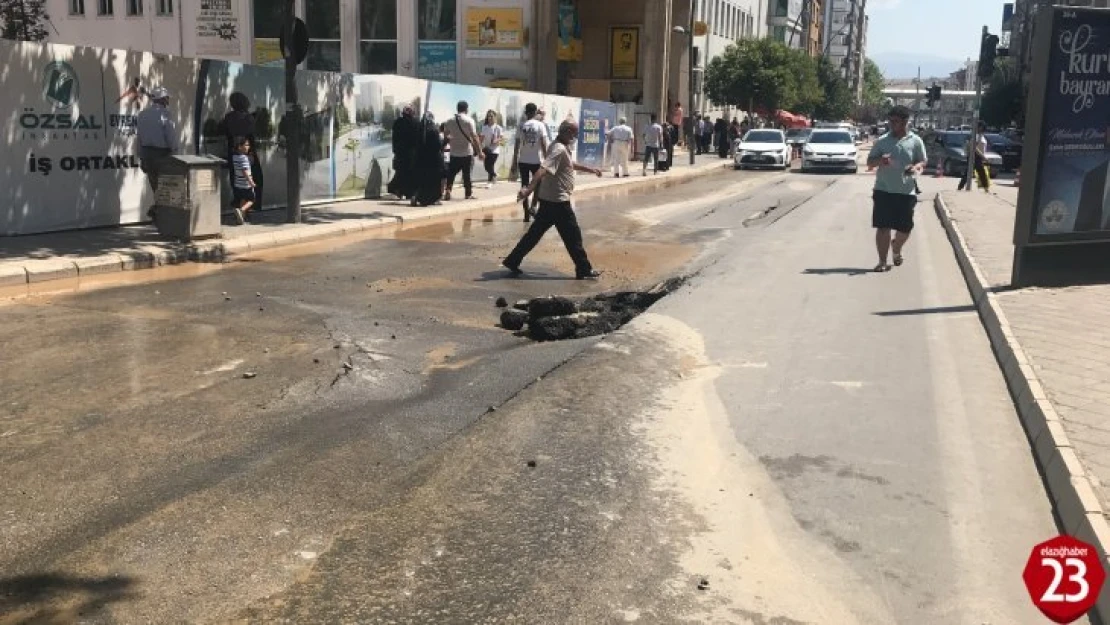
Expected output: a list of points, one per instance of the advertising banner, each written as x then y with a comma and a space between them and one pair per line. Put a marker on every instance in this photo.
1070, 199
71, 156
267, 52
494, 29
593, 128
436, 60
625, 55
570, 32
218, 29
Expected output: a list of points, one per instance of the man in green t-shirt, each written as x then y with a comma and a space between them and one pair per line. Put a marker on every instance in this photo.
899, 157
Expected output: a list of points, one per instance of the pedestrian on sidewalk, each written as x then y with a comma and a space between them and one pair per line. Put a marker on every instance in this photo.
653, 142
899, 157
677, 115
666, 151
720, 132
406, 137
464, 145
244, 181
530, 150
157, 137
733, 135
978, 144
620, 147
240, 123
431, 169
706, 134
555, 181
492, 133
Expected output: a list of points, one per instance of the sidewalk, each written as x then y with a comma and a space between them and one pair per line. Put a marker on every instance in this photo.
1054, 347
54, 256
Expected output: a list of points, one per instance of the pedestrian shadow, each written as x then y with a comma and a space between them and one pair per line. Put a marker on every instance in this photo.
847, 271
927, 311
496, 276
57, 598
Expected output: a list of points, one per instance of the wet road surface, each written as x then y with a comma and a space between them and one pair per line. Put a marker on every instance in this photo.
395, 457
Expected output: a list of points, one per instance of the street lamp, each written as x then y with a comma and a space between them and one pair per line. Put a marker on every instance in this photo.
689, 32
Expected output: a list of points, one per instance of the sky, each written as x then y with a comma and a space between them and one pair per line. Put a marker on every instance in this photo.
932, 29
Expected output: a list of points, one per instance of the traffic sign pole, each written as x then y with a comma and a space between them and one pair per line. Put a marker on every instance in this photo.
290, 49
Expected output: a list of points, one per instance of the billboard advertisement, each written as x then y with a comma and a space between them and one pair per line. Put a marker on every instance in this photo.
436, 60
1069, 192
593, 127
494, 28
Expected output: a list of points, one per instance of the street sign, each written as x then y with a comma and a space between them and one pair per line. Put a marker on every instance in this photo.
295, 46
1064, 577
700, 28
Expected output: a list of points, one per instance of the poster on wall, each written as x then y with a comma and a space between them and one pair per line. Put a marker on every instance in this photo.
436, 60
594, 123
625, 55
218, 32
267, 53
494, 29
1070, 197
570, 32
70, 161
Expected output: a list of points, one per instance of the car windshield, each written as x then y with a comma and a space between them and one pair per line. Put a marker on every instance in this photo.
994, 139
830, 137
763, 136
956, 139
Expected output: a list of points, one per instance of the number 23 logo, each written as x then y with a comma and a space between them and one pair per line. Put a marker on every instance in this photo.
1052, 594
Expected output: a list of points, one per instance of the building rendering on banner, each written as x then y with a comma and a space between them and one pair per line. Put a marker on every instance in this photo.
845, 39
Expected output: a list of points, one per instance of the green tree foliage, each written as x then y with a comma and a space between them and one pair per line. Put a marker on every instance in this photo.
765, 73
23, 20
837, 102
1003, 100
873, 83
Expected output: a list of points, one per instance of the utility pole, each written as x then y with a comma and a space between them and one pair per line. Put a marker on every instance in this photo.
974, 144
690, 75
294, 116
917, 99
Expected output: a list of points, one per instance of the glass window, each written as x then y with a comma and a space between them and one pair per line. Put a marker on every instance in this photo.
436, 20
782, 8
322, 21
76, 7
323, 56
134, 7
378, 57
378, 20
105, 7
269, 15
165, 7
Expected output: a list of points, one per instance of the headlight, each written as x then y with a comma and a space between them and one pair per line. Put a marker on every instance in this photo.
807, 150
852, 154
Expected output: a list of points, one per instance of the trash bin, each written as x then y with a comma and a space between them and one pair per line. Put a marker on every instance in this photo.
187, 203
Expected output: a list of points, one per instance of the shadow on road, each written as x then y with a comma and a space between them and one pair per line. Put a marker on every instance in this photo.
56, 597
926, 311
828, 271
503, 274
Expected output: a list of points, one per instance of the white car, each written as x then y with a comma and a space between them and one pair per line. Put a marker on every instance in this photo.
765, 147
830, 149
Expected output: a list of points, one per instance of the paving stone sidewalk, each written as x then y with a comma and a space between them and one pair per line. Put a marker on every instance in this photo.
1063, 332
60, 255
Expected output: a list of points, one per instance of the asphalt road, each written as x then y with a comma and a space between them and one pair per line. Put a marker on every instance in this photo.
815, 443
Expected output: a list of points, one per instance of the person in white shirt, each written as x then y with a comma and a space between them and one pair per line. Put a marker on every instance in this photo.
653, 142
620, 146
491, 145
464, 145
157, 137
530, 150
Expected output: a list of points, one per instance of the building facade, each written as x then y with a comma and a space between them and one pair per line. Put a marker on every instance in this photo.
845, 39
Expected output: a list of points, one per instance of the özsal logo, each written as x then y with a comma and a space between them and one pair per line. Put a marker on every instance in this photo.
60, 85
1064, 577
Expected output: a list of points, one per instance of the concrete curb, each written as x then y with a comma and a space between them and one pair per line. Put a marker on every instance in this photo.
1068, 483
23, 272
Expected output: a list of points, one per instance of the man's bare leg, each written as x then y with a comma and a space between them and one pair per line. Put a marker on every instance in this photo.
900, 239
882, 245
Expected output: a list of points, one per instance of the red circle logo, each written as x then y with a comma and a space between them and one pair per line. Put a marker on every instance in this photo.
1064, 577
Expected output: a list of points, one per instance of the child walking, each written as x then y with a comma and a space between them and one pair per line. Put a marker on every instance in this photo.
244, 182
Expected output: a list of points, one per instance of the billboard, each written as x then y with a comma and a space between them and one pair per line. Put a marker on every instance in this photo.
594, 123
1070, 131
625, 53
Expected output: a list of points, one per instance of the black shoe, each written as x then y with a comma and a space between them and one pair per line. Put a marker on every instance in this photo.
592, 274
513, 269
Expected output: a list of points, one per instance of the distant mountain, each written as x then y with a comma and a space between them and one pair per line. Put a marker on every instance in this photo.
904, 65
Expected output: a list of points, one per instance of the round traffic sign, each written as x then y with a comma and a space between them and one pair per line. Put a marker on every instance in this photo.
700, 28
1064, 577
294, 44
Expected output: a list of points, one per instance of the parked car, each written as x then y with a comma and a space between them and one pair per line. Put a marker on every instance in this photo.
830, 149
765, 147
948, 151
1007, 148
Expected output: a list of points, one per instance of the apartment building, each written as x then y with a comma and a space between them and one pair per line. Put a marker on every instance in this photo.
845, 39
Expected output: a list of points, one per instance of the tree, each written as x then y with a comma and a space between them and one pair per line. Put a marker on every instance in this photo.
764, 73
837, 102
23, 20
873, 83
1003, 100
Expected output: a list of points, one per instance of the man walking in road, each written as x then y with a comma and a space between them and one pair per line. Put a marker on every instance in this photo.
557, 178
620, 147
653, 141
531, 149
157, 135
464, 145
899, 157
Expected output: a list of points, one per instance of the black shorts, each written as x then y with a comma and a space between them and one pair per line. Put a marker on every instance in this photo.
893, 211
244, 195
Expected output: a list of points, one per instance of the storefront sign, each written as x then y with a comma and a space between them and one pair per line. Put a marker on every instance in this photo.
437, 61
218, 31
625, 58
570, 32
494, 29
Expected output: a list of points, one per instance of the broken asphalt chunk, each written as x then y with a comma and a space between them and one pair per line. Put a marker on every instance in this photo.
501, 302
513, 319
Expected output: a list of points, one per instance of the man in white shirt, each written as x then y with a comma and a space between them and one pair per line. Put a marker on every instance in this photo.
530, 150
157, 137
653, 141
620, 146
464, 145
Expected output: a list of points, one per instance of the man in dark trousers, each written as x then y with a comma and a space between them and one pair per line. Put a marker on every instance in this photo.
555, 180
157, 137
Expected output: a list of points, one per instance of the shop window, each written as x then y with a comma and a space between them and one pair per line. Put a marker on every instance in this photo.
378, 37
436, 20
322, 21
